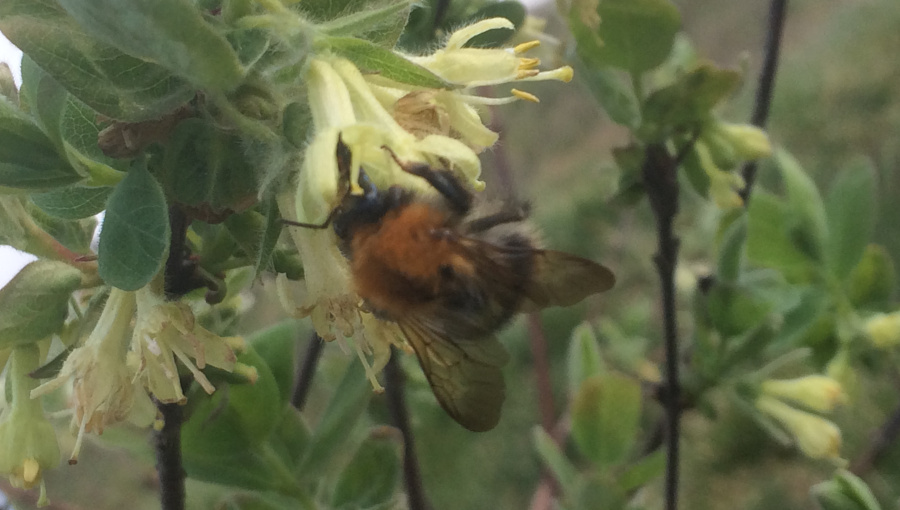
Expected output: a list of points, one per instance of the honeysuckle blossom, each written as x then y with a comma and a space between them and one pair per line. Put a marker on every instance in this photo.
28, 443
816, 437
165, 331
104, 389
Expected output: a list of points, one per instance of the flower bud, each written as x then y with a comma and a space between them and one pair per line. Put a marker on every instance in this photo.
815, 436
815, 392
884, 329
748, 142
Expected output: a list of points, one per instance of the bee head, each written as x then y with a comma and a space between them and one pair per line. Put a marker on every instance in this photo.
368, 208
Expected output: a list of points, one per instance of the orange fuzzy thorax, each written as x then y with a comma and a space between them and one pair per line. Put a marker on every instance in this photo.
397, 262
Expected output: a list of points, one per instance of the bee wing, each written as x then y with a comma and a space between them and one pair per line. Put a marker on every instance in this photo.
464, 375
562, 279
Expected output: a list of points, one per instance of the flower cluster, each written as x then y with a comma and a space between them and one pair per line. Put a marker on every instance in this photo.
119, 367
789, 403
441, 127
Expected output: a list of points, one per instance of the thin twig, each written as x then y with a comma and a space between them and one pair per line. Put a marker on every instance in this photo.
661, 184
766, 83
167, 441
538, 340
306, 372
169, 464
396, 401
881, 440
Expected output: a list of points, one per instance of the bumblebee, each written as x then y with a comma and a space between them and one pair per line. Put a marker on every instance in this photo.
450, 277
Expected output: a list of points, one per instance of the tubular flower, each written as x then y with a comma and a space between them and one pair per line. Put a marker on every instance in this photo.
815, 392
165, 331
476, 67
103, 386
28, 443
816, 437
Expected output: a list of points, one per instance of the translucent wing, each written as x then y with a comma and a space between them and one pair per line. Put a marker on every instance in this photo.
561, 279
465, 375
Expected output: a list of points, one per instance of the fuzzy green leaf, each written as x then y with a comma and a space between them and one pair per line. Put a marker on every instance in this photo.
135, 234
635, 35
371, 476
872, 281
851, 217
28, 159
277, 346
584, 359
808, 223
554, 459
731, 250
171, 33
72, 202
340, 418
34, 304
768, 242
606, 416
115, 84
372, 58
614, 94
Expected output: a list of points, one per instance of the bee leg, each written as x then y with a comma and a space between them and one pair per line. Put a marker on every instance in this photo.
477, 225
457, 195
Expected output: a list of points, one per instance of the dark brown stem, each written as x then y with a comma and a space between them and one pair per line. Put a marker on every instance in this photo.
167, 441
396, 401
169, 466
766, 83
661, 184
307, 370
881, 440
538, 340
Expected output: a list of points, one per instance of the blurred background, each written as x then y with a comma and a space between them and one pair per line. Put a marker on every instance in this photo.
837, 97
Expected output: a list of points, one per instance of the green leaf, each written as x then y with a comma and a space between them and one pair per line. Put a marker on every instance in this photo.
171, 33
338, 421
379, 22
135, 234
799, 320
277, 346
808, 226
735, 309
35, 303
731, 250
768, 243
643, 471
635, 35
563, 470
256, 469
75, 235
371, 476
44, 98
72, 202
264, 257
614, 94
115, 84
237, 417
290, 439
686, 104
375, 59
851, 217
695, 172
857, 490
28, 159
871, 282
584, 358
204, 167
606, 416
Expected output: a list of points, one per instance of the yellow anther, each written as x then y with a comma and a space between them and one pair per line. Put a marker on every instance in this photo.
525, 95
526, 73
522, 48
529, 63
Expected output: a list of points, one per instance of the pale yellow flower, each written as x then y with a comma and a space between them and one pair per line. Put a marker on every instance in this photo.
815, 392
815, 436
